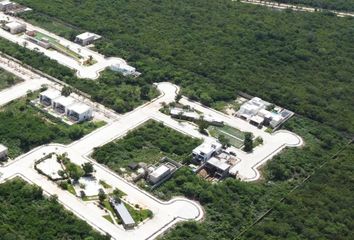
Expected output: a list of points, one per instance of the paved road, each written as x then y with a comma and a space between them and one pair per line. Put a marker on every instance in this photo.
273, 144
284, 6
90, 72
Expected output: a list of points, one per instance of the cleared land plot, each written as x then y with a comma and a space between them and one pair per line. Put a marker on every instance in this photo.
23, 127
7, 79
234, 135
147, 144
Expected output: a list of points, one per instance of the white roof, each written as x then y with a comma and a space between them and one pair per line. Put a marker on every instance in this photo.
51, 93
124, 67
14, 24
160, 171
2, 148
79, 108
88, 35
64, 101
208, 147
176, 111
218, 163
257, 119
265, 113
4, 3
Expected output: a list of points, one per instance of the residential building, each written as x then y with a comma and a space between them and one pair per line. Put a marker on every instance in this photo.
257, 121
123, 68
62, 103
218, 168
159, 173
15, 27
123, 213
86, 38
48, 96
205, 151
3, 152
251, 108
79, 112
6, 5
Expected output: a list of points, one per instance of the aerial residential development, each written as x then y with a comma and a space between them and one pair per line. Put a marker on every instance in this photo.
191, 119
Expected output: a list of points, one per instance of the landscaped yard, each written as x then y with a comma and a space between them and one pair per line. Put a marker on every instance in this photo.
7, 79
233, 135
23, 127
148, 144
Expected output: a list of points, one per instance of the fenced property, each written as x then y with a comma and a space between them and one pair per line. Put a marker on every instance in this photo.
233, 135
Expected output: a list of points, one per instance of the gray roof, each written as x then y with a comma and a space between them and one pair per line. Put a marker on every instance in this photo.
123, 212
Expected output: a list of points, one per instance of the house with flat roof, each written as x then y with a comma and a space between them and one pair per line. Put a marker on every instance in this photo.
6, 5
218, 168
205, 151
3, 152
47, 97
86, 38
123, 213
15, 27
159, 173
79, 112
123, 68
62, 103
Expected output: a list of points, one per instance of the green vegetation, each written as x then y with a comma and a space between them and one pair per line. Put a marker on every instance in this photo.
7, 79
321, 209
23, 127
232, 205
148, 144
26, 214
227, 134
343, 5
139, 215
113, 90
248, 142
235, 47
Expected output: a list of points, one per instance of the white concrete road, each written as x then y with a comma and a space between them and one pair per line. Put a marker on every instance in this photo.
90, 72
166, 214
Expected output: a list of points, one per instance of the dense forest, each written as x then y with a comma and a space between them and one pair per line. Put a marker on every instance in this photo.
23, 127
26, 214
302, 61
7, 79
115, 91
342, 5
148, 144
317, 210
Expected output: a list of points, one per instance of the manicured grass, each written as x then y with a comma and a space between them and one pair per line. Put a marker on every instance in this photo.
234, 136
7, 79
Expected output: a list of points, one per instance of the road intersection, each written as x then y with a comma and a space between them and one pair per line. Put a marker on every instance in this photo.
166, 214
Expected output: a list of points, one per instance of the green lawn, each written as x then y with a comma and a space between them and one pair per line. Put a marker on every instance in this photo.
233, 135
7, 79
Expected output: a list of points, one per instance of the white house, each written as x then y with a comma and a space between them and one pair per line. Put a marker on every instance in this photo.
46, 98
62, 103
3, 152
80, 112
159, 173
15, 27
86, 38
277, 119
205, 151
6, 5
218, 167
123, 68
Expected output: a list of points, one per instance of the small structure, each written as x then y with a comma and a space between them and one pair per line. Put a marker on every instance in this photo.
124, 69
257, 121
79, 112
6, 6
123, 213
217, 167
62, 103
15, 27
159, 173
205, 151
3, 152
86, 38
48, 96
